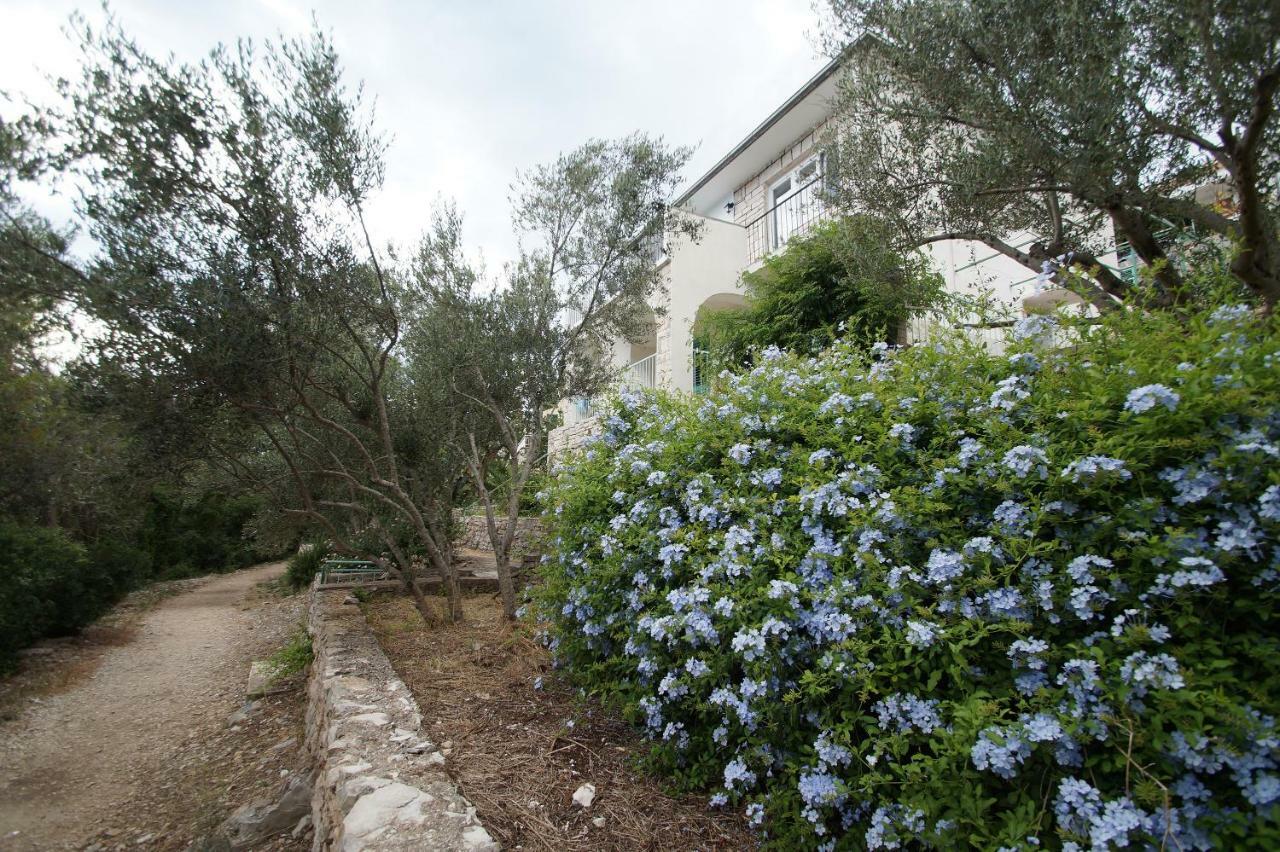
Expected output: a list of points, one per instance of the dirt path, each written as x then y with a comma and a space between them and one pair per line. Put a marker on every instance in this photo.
126, 754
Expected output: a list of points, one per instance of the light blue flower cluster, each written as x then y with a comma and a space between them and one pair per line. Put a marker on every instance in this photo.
905, 713
1148, 397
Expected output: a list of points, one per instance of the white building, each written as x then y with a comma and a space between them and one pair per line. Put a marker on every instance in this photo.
765, 191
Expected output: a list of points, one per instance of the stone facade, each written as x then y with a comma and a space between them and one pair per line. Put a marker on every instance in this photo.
381, 782
751, 199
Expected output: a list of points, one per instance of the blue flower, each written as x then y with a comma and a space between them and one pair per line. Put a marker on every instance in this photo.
1156, 671
920, 634
671, 687
1087, 601
1012, 516
888, 821
1092, 467
1077, 804
1269, 504
1078, 568
970, 451
903, 432
1003, 602
1009, 392
1025, 362
1033, 327
1000, 750
1042, 728
818, 788
1233, 535
944, 566
1230, 315
749, 643
1148, 397
1197, 572
1024, 460
770, 478
741, 453
736, 772
696, 667
829, 753
1191, 486
672, 553
906, 712
836, 402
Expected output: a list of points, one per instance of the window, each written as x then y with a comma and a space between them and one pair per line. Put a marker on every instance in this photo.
796, 201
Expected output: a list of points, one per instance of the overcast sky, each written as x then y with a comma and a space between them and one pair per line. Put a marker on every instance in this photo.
469, 92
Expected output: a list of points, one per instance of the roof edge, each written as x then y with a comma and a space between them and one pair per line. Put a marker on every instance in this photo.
802, 93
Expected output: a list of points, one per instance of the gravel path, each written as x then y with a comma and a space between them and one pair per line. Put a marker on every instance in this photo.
127, 737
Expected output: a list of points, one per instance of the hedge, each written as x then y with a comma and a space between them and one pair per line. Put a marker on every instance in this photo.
52, 585
945, 597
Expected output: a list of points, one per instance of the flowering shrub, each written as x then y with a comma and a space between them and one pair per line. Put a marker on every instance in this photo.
940, 597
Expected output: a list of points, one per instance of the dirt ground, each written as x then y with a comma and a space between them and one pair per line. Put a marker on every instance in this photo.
519, 752
125, 738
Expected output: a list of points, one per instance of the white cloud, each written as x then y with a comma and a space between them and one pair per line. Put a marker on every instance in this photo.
470, 93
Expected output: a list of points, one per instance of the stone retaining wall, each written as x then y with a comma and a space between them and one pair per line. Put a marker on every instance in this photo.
565, 439
475, 534
380, 783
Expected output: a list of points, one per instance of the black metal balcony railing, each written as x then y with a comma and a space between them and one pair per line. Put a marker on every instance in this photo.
794, 216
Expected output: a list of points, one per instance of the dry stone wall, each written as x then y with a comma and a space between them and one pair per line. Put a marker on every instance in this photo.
381, 782
475, 534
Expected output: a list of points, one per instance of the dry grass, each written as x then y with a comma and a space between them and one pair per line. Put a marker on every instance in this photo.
519, 754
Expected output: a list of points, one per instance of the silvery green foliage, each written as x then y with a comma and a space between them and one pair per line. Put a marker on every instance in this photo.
985, 618
1070, 124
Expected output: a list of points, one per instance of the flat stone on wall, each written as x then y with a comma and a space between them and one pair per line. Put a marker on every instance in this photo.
381, 783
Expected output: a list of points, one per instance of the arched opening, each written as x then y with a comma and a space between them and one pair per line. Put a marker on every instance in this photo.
703, 367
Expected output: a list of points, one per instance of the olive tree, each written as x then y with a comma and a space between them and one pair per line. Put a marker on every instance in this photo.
1073, 120
590, 224
236, 275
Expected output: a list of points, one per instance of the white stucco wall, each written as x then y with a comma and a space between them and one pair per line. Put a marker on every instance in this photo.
695, 273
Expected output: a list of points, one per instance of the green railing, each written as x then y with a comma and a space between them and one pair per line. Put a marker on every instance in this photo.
703, 370
340, 570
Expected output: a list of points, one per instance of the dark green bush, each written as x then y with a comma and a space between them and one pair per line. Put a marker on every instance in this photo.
44, 587
305, 564
191, 537
844, 279
54, 586
125, 565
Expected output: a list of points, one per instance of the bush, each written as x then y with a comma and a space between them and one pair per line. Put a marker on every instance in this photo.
828, 284
942, 597
305, 564
186, 538
124, 565
45, 588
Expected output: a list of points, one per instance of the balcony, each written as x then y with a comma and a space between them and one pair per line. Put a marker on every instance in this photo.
641, 374
794, 216
637, 375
